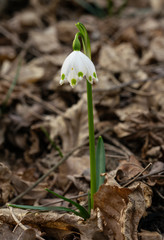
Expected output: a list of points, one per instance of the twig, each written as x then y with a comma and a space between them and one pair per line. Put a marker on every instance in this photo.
44, 176
54, 168
114, 89
159, 194
118, 144
45, 104
153, 174
21, 225
136, 177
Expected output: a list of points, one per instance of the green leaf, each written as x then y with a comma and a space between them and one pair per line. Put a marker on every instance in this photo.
40, 208
100, 162
82, 211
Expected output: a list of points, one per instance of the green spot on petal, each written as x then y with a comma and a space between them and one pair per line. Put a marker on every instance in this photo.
90, 78
94, 74
63, 76
73, 81
80, 74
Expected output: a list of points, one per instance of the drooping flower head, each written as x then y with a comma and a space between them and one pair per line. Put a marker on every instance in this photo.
75, 67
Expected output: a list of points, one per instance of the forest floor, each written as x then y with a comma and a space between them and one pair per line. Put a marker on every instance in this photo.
44, 126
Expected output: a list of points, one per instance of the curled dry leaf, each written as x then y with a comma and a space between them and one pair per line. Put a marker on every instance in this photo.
128, 169
119, 206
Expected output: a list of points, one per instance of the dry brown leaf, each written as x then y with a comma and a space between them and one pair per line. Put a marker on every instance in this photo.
128, 169
21, 185
118, 59
140, 125
122, 208
7, 52
55, 224
66, 31
146, 235
139, 75
28, 18
149, 25
72, 126
157, 47
75, 165
28, 234
29, 73
39, 40
157, 6
137, 106
7, 234
6, 188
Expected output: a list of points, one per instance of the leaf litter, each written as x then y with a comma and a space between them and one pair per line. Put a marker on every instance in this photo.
129, 114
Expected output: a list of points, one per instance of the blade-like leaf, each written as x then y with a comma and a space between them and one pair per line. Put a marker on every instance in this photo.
100, 162
84, 213
40, 208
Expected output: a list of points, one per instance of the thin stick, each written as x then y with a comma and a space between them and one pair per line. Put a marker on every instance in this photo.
136, 178
124, 85
44, 176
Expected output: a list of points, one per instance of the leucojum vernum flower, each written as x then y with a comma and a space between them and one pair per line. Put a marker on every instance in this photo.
76, 66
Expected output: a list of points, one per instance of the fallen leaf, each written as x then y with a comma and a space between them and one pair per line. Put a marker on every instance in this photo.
7, 52
118, 206
128, 170
72, 126
157, 47
39, 40
66, 31
6, 187
147, 235
55, 224
118, 59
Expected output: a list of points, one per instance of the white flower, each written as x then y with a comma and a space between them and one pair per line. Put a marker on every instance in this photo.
75, 67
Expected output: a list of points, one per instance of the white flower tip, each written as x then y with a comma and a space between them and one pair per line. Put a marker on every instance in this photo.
80, 75
61, 82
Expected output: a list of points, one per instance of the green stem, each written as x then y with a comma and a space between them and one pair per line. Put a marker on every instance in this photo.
87, 51
91, 142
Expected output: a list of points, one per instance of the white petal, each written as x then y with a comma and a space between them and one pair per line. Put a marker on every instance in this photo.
67, 65
75, 67
73, 78
89, 66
